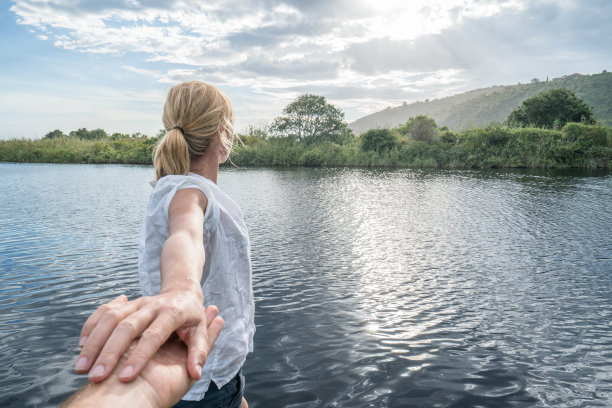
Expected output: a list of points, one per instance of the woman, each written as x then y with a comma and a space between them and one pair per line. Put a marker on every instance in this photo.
194, 250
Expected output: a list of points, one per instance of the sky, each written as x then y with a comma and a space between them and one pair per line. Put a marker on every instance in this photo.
69, 64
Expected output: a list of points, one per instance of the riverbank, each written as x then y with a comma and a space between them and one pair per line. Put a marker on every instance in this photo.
574, 146
73, 150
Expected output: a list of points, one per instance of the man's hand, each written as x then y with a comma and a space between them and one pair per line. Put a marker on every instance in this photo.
115, 325
161, 383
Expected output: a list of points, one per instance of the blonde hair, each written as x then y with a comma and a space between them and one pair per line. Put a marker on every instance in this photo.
202, 112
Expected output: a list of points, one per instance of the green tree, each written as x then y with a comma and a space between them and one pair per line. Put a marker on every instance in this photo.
97, 134
551, 110
81, 133
310, 118
53, 134
448, 136
84, 134
378, 140
424, 128
119, 136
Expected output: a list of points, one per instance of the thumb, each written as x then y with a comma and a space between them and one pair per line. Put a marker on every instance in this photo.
200, 344
197, 351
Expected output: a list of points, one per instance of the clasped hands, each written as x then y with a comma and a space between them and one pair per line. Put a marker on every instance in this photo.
114, 326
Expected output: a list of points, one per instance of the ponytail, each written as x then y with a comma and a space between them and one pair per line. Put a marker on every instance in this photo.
195, 113
171, 155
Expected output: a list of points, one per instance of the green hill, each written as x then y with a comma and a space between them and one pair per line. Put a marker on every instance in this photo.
480, 107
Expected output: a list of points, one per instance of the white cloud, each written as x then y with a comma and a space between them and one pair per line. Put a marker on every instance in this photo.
386, 51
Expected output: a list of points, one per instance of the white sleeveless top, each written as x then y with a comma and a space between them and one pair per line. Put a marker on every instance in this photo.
226, 277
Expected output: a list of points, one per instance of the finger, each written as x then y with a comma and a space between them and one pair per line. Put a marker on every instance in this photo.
119, 341
93, 320
151, 340
201, 345
197, 350
101, 332
213, 331
211, 313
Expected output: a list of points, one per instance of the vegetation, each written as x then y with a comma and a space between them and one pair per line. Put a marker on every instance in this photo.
423, 128
575, 145
310, 119
300, 137
551, 110
378, 140
481, 107
56, 147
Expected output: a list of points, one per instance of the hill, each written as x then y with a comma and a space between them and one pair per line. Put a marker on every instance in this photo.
480, 107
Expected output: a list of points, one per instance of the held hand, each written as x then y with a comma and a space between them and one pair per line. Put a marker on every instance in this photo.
166, 373
113, 326
161, 383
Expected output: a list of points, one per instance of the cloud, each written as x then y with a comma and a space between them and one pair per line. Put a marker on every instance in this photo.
377, 52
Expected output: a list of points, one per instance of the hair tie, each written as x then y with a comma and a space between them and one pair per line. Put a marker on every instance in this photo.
179, 128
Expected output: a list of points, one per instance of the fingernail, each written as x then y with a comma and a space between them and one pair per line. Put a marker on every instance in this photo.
127, 372
98, 371
199, 368
81, 364
82, 341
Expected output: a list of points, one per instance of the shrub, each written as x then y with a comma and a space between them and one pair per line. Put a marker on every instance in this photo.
552, 110
424, 129
585, 135
378, 140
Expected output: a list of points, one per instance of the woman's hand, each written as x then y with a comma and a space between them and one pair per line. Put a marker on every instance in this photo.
110, 330
162, 382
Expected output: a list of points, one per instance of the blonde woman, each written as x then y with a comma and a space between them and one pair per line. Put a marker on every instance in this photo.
194, 250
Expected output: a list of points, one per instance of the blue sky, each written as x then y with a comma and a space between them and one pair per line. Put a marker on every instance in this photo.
92, 63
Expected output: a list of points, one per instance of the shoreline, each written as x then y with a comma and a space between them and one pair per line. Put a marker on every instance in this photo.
575, 146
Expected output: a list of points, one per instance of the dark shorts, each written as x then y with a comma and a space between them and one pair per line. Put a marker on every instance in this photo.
228, 396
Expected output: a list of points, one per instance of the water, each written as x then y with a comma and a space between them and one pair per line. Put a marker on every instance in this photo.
374, 288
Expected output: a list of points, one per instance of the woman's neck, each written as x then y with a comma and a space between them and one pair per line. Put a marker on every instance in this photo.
206, 166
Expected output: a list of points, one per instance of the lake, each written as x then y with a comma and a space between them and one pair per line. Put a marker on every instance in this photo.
373, 287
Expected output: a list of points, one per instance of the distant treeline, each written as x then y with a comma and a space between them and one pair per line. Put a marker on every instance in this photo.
575, 145
554, 129
66, 149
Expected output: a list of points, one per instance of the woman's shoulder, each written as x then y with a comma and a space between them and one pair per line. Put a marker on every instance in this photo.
172, 181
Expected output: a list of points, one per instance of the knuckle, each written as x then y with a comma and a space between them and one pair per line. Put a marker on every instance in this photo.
108, 357
202, 355
138, 355
174, 309
113, 314
153, 336
91, 348
104, 308
128, 325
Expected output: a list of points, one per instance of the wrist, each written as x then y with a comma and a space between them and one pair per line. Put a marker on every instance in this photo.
184, 287
113, 393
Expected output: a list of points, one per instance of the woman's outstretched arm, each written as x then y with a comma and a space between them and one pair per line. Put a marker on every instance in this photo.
179, 307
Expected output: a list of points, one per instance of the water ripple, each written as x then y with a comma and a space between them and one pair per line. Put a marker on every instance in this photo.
373, 288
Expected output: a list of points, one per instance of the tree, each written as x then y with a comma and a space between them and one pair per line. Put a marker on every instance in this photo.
421, 128
551, 109
85, 134
424, 128
377, 140
310, 118
53, 134
97, 134
119, 136
80, 133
